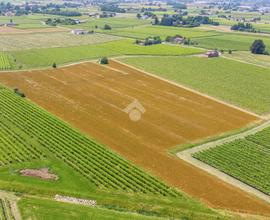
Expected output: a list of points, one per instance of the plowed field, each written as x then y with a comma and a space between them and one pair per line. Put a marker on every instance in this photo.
93, 98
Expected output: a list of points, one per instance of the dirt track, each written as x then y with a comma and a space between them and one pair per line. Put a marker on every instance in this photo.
92, 98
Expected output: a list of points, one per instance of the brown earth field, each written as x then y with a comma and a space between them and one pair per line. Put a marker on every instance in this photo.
92, 98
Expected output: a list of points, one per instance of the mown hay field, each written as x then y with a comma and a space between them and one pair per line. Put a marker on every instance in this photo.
46, 57
238, 83
50, 40
93, 98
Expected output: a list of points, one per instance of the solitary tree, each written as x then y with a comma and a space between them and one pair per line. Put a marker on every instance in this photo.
107, 27
54, 65
258, 47
104, 60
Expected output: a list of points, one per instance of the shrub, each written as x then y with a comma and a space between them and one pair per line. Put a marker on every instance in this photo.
258, 47
54, 65
107, 27
104, 60
17, 91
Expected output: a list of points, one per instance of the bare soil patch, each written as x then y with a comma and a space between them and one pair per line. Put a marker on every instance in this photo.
42, 173
92, 98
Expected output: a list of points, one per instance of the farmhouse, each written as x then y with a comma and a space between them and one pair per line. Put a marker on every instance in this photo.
79, 32
176, 39
9, 24
212, 53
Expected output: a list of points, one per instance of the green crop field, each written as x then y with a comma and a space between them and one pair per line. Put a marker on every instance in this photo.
49, 40
15, 149
162, 31
5, 62
45, 57
230, 41
238, 83
247, 160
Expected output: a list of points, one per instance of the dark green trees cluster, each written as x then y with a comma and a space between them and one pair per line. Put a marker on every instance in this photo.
181, 21
104, 60
258, 47
149, 41
243, 27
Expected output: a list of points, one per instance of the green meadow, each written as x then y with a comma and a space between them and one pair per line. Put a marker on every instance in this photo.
230, 41
34, 208
52, 210
45, 57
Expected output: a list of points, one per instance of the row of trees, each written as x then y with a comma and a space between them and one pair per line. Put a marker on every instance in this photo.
181, 21
243, 27
55, 9
112, 8
56, 21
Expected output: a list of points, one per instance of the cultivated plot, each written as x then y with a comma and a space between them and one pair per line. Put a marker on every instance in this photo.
94, 99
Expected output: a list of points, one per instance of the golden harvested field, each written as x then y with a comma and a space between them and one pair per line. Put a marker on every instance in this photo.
93, 98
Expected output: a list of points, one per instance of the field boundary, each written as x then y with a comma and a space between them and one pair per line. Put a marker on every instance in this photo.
245, 62
192, 90
186, 155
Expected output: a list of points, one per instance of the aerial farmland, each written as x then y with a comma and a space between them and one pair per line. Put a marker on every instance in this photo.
134, 110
